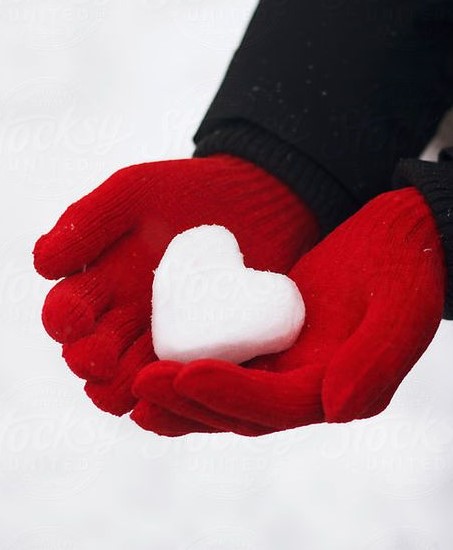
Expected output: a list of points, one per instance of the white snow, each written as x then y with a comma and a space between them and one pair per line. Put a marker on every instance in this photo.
88, 87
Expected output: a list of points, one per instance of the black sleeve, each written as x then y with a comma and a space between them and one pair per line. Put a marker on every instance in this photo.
328, 94
435, 181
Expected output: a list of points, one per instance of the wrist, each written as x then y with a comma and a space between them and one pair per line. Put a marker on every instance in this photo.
434, 180
322, 193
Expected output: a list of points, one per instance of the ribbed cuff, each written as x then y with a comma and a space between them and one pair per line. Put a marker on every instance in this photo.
435, 181
320, 191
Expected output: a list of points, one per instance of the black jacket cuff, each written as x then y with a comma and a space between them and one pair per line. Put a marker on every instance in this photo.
319, 190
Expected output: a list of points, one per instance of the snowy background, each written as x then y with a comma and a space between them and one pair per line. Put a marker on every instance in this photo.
89, 86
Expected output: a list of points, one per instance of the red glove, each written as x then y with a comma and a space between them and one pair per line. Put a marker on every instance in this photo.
107, 245
374, 291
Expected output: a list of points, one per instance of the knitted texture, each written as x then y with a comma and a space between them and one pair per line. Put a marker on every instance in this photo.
319, 190
106, 246
374, 293
435, 181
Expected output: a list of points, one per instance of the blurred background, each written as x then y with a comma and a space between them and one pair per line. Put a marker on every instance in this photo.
87, 87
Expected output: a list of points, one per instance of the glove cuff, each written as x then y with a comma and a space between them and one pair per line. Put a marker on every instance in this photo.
320, 191
435, 181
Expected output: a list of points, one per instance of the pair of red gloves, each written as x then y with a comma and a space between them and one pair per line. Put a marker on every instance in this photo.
374, 290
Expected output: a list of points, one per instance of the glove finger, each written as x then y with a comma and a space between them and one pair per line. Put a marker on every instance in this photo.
87, 228
154, 384
73, 306
96, 357
122, 276
281, 400
152, 418
115, 395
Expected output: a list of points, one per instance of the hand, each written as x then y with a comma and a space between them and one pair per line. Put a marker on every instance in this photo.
106, 246
374, 291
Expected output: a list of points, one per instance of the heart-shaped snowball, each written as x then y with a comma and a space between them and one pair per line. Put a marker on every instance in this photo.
206, 303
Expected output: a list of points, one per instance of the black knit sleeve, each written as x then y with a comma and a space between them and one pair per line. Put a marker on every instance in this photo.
329, 94
435, 181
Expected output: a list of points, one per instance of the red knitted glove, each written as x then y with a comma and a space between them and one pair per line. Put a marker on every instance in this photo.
107, 245
374, 291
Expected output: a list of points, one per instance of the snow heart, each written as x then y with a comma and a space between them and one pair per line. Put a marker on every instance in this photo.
206, 303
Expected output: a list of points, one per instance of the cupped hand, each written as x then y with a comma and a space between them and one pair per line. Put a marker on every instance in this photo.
374, 292
105, 247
